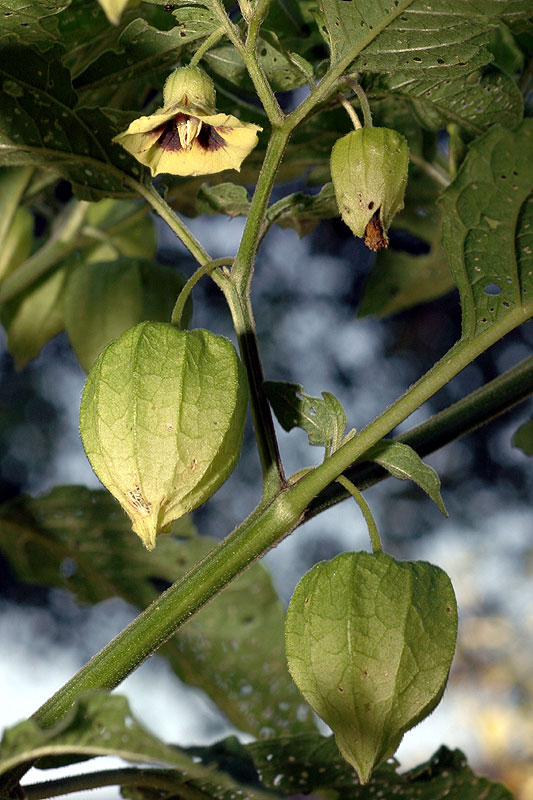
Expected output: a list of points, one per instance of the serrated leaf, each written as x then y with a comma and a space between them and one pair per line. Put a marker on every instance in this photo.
404, 463
488, 228
102, 300
225, 198
41, 126
411, 35
304, 211
311, 763
99, 724
369, 643
80, 540
34, 317
161, 421
322, 418
523, 437
477, 101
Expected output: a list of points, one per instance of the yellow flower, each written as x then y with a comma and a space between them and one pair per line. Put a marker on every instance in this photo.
186, 136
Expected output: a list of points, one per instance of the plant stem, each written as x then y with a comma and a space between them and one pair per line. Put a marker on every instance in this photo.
367, 513
163, 780
459, 419
210, 42
350, 110
253, 538
183, 296
363, 99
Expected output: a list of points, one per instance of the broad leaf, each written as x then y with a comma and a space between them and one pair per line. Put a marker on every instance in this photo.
226, 198
322, 418
34, 317
31, 23
488, 228
476, 101
410, 35
311, 763
41, 126
404, 463
161, 421
369, 642
233, 649
104, 299
102, 725
523, 438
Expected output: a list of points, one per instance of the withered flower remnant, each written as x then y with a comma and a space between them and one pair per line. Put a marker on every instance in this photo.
186, 136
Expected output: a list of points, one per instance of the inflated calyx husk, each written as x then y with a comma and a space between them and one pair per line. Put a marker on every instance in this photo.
161, 420
369, 174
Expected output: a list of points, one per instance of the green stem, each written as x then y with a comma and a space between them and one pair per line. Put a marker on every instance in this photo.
363, 99
350, 110
267, 444
163, 780
243, 266
210, 42
459, 419
152, 196
367, 514
253, 538
436, 174
191, 283
62, 241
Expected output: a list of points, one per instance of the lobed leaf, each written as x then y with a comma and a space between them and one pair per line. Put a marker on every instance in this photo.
404, 463
322, 418
488, 228
80, 540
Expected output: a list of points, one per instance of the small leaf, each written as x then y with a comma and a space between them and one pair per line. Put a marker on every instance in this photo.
225, 198
523, 437
404, 463
103, 300
322, 418
369, 642
304, 211
161, 420
487, 228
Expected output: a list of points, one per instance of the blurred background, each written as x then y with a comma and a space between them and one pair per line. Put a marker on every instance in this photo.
306, 295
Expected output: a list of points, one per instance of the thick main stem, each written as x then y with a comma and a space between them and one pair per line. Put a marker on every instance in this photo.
250, 540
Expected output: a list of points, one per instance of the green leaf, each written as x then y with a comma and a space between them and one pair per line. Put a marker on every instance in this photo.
404, 463
369, 644
80, 540
304, 211
41, 126
123, 229
103, 300
34, 317
30, 23
161, 421
102, 725
15, 246
226, 198
144, 52
411, 35
13, 182
477, 101
322, 418
523, 437
283, 71
488, 228
311, 763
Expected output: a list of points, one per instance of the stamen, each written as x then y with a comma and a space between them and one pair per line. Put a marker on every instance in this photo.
188, 129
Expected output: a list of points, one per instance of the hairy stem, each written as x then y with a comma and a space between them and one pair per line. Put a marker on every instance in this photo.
365, 510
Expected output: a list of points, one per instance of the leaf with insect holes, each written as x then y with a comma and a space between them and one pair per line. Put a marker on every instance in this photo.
369, 643
161, 420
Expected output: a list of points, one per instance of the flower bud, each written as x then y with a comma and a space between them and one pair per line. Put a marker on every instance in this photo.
369, 173
189, 86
